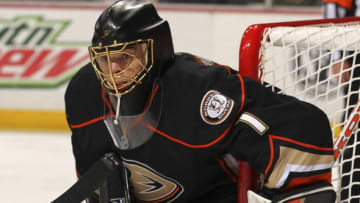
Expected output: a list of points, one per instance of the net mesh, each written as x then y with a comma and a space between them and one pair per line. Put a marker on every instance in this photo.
319, 64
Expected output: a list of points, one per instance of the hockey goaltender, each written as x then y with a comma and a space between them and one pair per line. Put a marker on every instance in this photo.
151, 125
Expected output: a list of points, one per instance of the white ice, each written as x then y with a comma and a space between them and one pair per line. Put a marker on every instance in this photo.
35, 167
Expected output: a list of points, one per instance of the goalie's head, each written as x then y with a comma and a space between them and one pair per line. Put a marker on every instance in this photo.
131, 45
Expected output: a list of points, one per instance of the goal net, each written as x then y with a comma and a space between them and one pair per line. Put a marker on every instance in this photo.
316, 61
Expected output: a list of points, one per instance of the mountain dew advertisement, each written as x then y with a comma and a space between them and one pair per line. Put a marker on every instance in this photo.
41, 48
32, 55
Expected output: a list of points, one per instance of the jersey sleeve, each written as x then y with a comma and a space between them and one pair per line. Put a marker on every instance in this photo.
287, 140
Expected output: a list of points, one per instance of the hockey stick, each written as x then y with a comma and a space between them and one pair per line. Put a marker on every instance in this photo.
347, 131
93, 179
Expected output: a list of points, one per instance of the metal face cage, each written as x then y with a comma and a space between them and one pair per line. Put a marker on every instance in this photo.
122, 66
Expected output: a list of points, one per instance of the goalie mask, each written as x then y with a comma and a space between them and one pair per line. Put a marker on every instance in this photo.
130, 32
131, 47
122, 66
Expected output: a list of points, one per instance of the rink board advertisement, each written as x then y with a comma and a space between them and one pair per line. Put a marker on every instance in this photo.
41, 49
44, 45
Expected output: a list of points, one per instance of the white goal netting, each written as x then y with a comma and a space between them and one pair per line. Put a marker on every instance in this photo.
319, 64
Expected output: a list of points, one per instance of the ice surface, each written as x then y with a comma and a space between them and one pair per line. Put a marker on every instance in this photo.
35, 167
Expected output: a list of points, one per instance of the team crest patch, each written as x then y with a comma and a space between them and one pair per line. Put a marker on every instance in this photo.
215, 107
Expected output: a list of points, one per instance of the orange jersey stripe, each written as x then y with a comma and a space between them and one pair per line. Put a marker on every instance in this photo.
271, 155
217, 139
187, 144
302, 144
87, 122
242, 92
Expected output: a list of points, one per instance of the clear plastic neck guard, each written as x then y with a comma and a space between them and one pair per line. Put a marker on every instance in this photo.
131, 131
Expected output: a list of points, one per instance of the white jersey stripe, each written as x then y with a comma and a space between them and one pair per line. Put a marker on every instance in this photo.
253, 122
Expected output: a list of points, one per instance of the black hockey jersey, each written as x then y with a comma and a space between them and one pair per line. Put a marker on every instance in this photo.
210, 113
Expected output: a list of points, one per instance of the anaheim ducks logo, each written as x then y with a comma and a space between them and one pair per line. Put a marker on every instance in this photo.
215, 107
151, 186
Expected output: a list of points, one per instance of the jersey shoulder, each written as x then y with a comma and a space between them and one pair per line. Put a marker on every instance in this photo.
202, 96
195, 73
83, 96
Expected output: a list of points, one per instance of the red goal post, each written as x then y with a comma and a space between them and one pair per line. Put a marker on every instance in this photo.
316, 61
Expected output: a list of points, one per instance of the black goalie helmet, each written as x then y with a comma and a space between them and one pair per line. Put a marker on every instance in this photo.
130, 48
130, 43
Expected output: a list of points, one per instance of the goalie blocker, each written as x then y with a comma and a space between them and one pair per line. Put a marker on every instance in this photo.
108, 176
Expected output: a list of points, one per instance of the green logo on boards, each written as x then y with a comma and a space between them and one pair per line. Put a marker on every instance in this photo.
35, 53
